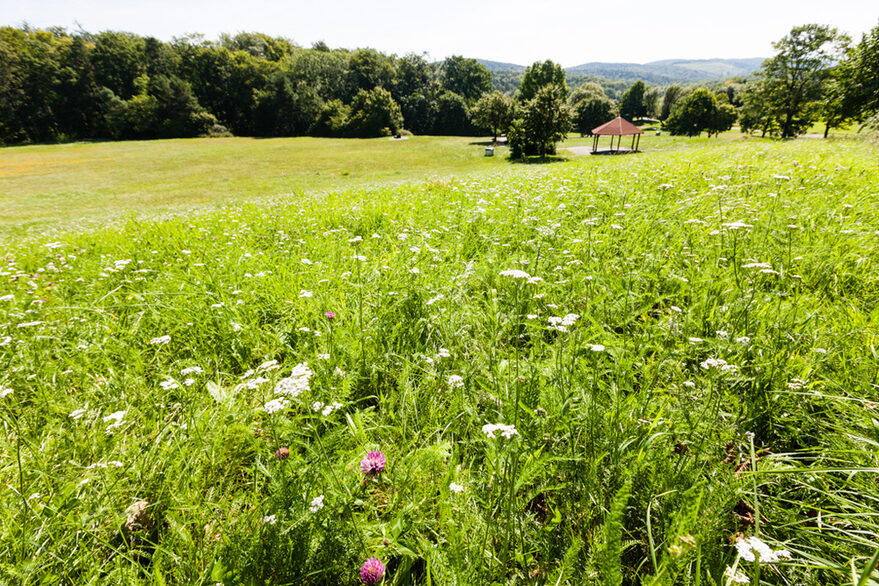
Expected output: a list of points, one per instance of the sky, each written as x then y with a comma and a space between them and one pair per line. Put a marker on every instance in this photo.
513, 31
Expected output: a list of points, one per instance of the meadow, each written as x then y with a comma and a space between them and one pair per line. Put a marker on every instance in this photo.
652, 369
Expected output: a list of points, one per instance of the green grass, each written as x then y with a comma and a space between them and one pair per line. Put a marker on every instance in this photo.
98, 180
52, 186
632, 463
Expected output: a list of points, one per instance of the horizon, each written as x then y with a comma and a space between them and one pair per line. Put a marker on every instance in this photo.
513, 32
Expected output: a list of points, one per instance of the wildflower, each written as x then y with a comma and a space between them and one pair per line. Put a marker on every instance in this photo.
317, 503
457, 488
744, 340
5, 340
736, 577
508, 431
268, 365
754, 549
296, 383
9, 297
117, 419
189, 382
439, 297
330, 315
276, 405
689, 384
304, 293
456, 381
738, 224
323, 356
443, 353
5, 393
169, 385
192, 370
270, 519
282, 453
373, 464
160, 340
696, 340
796, 384
372, 571
76, 414
515, 274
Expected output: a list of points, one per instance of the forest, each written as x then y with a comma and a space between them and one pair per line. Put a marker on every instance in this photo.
57, 86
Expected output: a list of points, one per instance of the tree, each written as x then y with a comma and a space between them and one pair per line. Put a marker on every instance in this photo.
756, 112
651, 102
858, 77
670, 98
539, 75
545, 120
374, 113
696, 113
451, 116
493, 112
466, 77
795, 76
632, 103
590, 107
592, 112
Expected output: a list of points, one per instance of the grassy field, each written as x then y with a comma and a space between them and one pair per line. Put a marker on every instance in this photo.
54, 185
99, 180
653, 369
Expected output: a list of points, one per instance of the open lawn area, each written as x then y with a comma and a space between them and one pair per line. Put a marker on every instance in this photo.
49, 186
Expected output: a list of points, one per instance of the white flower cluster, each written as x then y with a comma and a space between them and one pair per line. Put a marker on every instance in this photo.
276, 405
295, 384
317, 503
160, 340
490, 429
735, 577
563, 323
456, 488
327, 409
796, 384
753, 549
117, 418
719, 364
515, 274
5, 393
456, 381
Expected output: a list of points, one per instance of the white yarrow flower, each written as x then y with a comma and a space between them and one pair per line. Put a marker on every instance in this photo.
160, 340
276, 405
456, 488
317, 503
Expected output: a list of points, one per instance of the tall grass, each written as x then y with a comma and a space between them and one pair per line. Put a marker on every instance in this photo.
696, 297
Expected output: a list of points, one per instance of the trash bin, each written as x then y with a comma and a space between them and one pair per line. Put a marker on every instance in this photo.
489, 151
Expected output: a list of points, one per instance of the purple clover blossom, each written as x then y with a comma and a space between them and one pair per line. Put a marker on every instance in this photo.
330, 315
373, 464
372, 571
282, 453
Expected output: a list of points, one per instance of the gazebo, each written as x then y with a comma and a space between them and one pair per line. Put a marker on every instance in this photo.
618, 127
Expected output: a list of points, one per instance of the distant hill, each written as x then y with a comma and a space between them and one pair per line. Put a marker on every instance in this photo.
498, 66
671, 70
507, 76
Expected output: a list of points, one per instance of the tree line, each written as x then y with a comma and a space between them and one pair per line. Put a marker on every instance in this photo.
56, 86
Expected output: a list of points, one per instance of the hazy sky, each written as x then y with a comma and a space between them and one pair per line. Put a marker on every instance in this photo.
516, 31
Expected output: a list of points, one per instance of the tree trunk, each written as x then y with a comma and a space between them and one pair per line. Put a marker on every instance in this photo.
826, 129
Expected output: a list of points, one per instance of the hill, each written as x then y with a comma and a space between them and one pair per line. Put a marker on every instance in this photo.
507, 76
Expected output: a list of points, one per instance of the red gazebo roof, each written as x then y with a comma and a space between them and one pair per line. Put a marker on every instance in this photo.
617, 127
